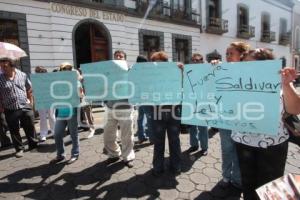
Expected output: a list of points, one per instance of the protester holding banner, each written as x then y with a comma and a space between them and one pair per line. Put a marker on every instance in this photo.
16, 100
44, 114
66, 117
119, 112
261, 157
86, 113
198, 133
291, 97
230, 166
166, 118
143, 111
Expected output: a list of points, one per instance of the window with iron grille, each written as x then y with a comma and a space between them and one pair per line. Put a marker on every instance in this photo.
9, 31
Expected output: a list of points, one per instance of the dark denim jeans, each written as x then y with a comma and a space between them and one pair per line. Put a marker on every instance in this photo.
25, 118
260, 166
4, 139
143, 133
167, 121
199, 133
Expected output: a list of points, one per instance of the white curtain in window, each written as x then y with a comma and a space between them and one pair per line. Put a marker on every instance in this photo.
167, 2
196, 6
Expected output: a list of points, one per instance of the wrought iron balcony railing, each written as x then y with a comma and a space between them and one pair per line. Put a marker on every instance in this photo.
164, 10
179, 14
268, 36
246, 31
196, 17
217, 26
284, 39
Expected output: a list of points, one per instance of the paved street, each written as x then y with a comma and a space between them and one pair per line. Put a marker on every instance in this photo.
91, 177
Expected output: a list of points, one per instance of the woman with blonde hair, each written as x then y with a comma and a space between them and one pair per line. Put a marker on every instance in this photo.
230, 166
291, 96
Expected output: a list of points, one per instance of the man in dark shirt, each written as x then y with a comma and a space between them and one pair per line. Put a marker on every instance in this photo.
16, 102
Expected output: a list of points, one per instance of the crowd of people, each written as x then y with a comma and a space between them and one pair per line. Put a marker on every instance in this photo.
249, 160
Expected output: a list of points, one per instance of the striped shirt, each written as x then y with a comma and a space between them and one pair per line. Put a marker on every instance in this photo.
13, 93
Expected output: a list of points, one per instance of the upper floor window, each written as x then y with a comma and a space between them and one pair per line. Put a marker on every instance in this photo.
265, 22
243, 16
150, 41
151, 45
283, 26
214, 22
297, 39
244, 30
284, 36
214, 8
196, 10
9, 31
167, 7
179, 5
266, 34
181, 49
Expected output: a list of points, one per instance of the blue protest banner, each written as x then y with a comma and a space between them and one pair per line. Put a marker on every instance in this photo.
242, 96
106, 80
158, 83
57, 89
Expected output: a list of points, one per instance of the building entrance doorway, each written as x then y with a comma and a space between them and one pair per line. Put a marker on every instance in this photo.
92, 43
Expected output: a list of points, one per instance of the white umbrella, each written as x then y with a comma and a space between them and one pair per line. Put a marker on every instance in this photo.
11, 51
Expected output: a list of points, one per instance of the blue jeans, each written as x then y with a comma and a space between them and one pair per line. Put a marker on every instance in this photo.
230, 164
168, 123
59, 130
141, 132
199, 133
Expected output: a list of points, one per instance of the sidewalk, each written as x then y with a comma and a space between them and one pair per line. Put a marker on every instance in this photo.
31, 177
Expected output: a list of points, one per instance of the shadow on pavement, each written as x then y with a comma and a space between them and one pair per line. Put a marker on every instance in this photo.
188, 159
46, 148
137, 147
38, 177
4, 157
221, 193
100, 181
212, 132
